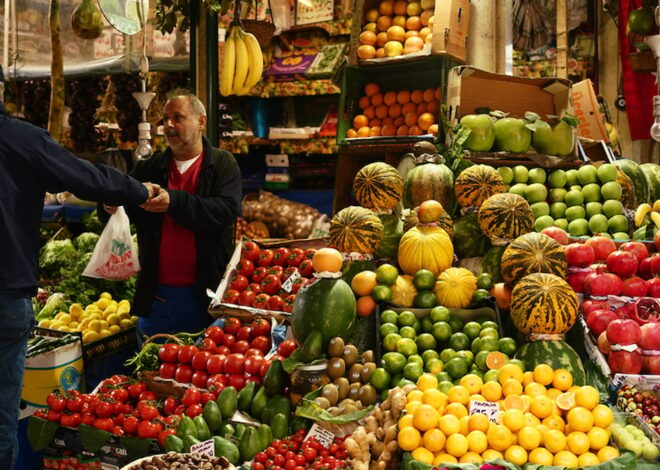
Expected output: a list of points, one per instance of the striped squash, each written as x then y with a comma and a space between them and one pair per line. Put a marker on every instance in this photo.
429, 181
356, 229
532, 253
445, 222
476, 184
628, 197
543, 303
425, 247
454, 287
378, 186
506, 216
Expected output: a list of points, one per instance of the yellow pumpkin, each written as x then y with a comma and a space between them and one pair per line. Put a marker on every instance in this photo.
404, 291
425, 247
455, 287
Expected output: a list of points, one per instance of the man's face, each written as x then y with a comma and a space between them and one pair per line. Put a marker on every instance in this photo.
183, 128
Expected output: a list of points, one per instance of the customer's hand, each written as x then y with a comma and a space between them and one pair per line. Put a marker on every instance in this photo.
159, 203
153, 190
109, 209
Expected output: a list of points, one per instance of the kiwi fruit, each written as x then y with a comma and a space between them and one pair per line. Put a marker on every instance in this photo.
348, 409
355, 373
322, 402
336, 347
331, 393
346, 401
342, 387
350, 355
367, 356
368, 395
366, 371
354, 391
336, 367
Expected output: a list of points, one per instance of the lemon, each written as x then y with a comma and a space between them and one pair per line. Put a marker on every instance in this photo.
607, 453
105, 295
113, 319
95, 316
90, 336
110, 309
433, 440
457, 445
104, 324
103, 303
74, 325
104, 333
125, 323
75, 310
409, 438
65, 328
56, 324
114, 329
123, 314
134, 319
44, 323
540, 456
588, 459
59, 315
95, 325
423, 455
516, 455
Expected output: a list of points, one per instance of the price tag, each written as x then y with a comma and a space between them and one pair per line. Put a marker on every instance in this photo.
206, 448
321, 434
288, 284
491, 410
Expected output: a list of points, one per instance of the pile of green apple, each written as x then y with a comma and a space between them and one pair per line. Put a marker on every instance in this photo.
632, 438
584, 201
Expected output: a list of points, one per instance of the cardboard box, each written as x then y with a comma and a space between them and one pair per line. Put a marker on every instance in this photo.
451, 23
587, 110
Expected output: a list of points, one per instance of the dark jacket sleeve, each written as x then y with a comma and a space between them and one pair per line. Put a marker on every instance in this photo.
217, 210
58, 170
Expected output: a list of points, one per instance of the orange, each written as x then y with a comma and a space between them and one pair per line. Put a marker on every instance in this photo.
411, 119
531, 420
499, 437
607, 453
534, 388
438, 93
425, 17
555, 422
553, 393
565, 401
514, 402
513, 419
540, 456
423, 455
415, 395
360, 121
421, 108
351, 133
388, 130
541, 406
424, 32
435, 398
372, 15
554, 440
516, 455
457, 445
405, 421
409, 438
424, 121
374, 131
363, 132
402, 130
403, 97
578, 442
456, 409
492, 454
414, 23
444, 458
374, 122
416, 96
366, 305
369, 112
565, 458
425, 417
449, 424
427, 382
380, 52
492, 391
327, 259
386, 121
543, 374
386, 7
563, 380
396, 33
381, 40
587, 397
458, 394
478, 422
413, 43
394, 110
409, 108
434, 440
510, 371
429, 95
381, 111
377, 99
471, 457
587, 459
598, 438
603, 416
367, 38
364, 102
529, 437
580, 419
371, 26
433, 107
495, 360
415, 130
398, 122
511, 386
399, 20
400, 7
472, 383
370, 89
364, 282
389, 98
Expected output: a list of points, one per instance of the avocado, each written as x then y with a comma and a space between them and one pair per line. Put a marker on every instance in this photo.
274, 378
227, 402
312, 348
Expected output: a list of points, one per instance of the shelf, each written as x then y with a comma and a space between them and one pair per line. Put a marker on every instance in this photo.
333, 28
298, 88
317, 145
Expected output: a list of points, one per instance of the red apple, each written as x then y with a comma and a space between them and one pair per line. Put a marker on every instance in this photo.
557, 233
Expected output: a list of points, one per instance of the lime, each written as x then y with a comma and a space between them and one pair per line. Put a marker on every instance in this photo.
406, 318
468, 356
518, 363
439, 313
475, 347
434, 366
380, 379
416, 358
386, 274
488, 344
480, 294
457, 367
455, 323
424, 279
443, 376
389, 342
425, 341
396, 378
489, 323
447, 354
412, 371
430, 354
425, 299
388, 316
427, 324
480, 360
387, 328
417, 325
393, 362
491, 375
472, 329
381, 293
476, 371
408, 332
485, 281
459, 341
508, 346
488, 332
441, 331
445, 386
406, 346
404, 381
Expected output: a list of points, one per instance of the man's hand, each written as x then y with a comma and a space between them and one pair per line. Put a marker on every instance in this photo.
159, 203
153, 189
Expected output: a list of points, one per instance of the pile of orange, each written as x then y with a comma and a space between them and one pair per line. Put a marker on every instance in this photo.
396, 27
543, 419
400, 112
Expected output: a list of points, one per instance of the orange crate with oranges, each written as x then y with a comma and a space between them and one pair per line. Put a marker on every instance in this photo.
393, 102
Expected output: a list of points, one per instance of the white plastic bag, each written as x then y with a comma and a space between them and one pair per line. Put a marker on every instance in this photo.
114, 257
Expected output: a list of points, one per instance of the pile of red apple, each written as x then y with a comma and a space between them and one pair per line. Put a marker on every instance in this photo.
261, 277
644, 404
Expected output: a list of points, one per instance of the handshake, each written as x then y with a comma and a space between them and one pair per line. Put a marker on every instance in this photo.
158, 200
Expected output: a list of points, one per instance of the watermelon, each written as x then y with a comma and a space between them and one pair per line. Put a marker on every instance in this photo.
352, 267
469, 241
557, 354
327, 305
651, 172
392, 232
491, 263
632, 170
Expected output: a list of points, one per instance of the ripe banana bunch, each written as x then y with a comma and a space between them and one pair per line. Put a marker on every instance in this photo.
243, 63
645, 212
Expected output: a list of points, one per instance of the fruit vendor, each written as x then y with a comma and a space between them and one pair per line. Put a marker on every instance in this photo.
185, 233
31, 164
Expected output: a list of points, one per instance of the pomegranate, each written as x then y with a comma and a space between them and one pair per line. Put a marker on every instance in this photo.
626, 311
602, 283
655, 264
651, 364
604, 345
650, 336
636, 248
557, 233
622, 263
654, 287
634, 287
647, 310
644, 269
656, 240
625, 362
589, 306
580, 255
598, 320
624, 331
602, 247
576, 280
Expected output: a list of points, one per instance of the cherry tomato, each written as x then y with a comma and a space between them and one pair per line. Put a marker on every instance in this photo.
75, 403
247, 297
253, 352
239, 283
259, 274
297, 284
287, 273
194, 410
281, 256
261, 457
183, 374
232, 325
237, 381
208, 345
231, 296
228, 341
245, 267
200, 359
240, 347
266, 258
253, 364
54, 416
208, 396
104, 409
147, 395
288, 303
104, 424
235, 363
120, 395
167, 370
186, 354
309, 253
215, 333
131, 424
244, 333
192, 396
306, 268
275, 302
199, 378
169, 406
261, 343
277, 270
136, 388
149, 412
258, 466
217, 382
250, 250
286, 347
87, 418
148, 429
72, 420
264, 369
216, 364
56, 402
168, 352
224, 350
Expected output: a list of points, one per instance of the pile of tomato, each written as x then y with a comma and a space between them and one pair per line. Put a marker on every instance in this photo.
295, 453
262, 274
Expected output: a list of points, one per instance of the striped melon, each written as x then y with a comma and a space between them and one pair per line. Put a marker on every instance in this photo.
631, 169
506, 216
356, 229
378, 186
476, 184
445, 222
392, 231
543, 303
556, 354
429, 181
454, 287
628, 197
425, 247
532, 253
469, 241
651, 173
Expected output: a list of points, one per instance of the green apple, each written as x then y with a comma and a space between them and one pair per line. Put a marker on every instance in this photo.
562, 223
587, 174
557, 195
537, 175
593, 208
607, 172
506, 188
543, 222
621, 236
575, 187
520, 174
571, 177
591, 192
506, 173
612, 207
482, 132
512, 135
558, 210
574, 198
575, 212
617, 223
611, 190
557, 140
536, 192
519, 189
540, 209
578, 227
557, 179
606, 235
598, 224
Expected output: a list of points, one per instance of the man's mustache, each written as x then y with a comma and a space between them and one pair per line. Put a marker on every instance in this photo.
170, 133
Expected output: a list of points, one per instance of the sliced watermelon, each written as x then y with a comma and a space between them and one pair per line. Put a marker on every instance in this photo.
651, 172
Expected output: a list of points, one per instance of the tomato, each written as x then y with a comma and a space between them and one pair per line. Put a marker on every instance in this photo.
168, 352
239, 283
255, 287
88, 419
296, 255
245, 267
194, 410
266, 258
183, 374
288, 303
192, 396
250, 250
253, 378
169, 405
186, 354
287, 273
232, 325
208, 396
216, 364
277, 270
259, 274
167, 370
217, 382
231, 296
275, 302
199, 378
271, 284
54, 416
147, 429
56, 402
246, 298
147, 395
118, 394
208, 345
163, 435
72, 420
253, 352
240, 347
281, 256
297, 284
244, 333
253, 364
148, 412
223, 350
286, 347
258, 466
75, 403
235, 363
200, 359
262, 343
482, 132
228, 341
104, 409
131, 424
261, 301
309, 253
260, 327
105, 424
237, 381
215, 333
306, 268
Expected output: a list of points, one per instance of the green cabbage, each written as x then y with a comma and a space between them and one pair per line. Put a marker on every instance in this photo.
85, 242
55, 255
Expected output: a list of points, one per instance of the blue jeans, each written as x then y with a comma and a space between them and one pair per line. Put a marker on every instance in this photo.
175, 310
16, 321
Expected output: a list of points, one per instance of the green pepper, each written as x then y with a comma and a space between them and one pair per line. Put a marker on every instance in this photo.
212, 415
186, 428
203, 432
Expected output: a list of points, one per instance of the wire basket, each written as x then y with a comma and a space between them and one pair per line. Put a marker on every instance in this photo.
264, 29
642, 61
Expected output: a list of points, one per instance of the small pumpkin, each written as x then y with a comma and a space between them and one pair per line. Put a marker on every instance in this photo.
425, 247
455, 287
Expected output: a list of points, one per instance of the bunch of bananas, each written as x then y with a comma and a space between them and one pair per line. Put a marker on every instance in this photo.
645, 212
243, 63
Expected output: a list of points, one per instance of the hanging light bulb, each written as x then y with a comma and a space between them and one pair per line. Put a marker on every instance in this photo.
655, 128
144, 151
